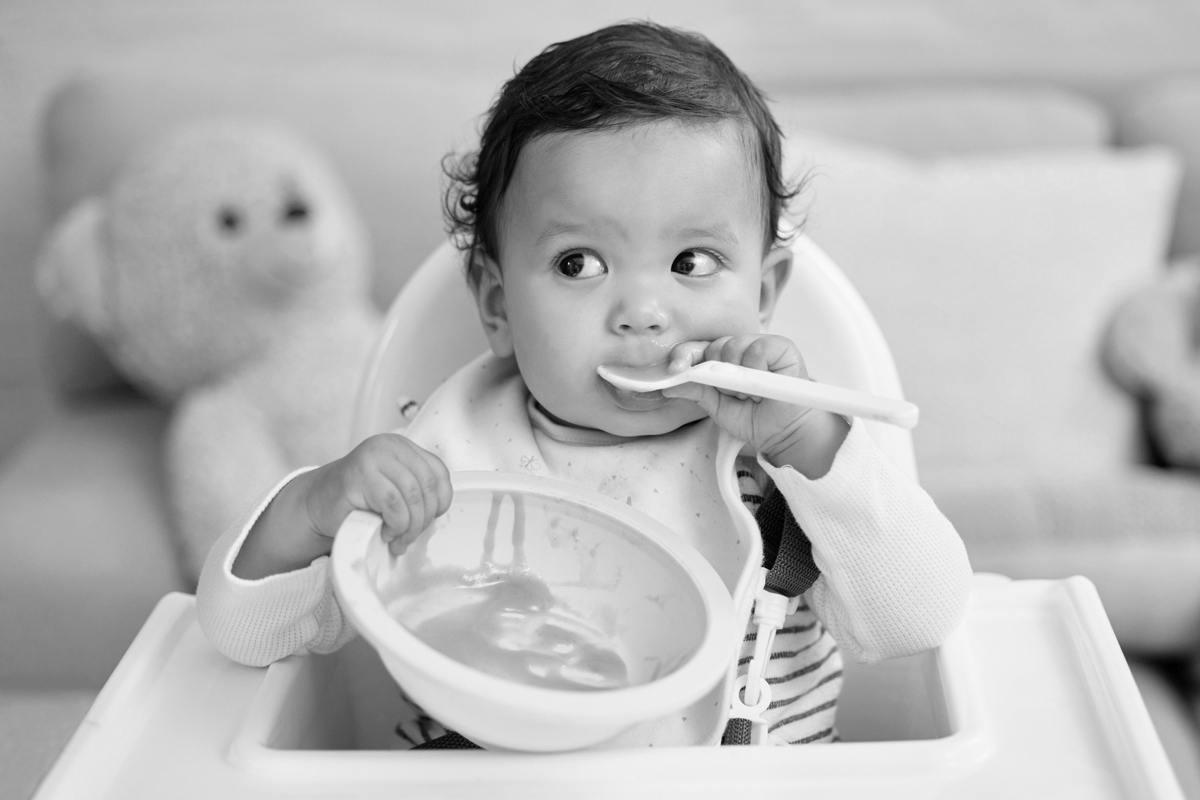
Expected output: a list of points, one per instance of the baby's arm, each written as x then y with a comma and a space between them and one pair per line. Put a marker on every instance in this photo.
894, 575
265, 591
388, 474
258, 622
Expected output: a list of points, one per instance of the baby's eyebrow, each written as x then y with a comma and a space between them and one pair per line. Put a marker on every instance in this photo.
554, 229
721, 232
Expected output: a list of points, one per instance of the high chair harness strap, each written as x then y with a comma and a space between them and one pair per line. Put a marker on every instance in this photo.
790, 571
787, 552
449, 741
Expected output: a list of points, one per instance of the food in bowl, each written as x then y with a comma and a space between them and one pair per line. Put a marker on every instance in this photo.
508, 623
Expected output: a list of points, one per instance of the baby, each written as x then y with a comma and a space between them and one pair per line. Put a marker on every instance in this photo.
624, 208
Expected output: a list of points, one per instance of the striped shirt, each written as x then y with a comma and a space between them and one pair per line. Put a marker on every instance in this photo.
805, 666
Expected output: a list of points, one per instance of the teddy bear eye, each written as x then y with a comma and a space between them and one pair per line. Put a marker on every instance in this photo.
295, 211
229, 220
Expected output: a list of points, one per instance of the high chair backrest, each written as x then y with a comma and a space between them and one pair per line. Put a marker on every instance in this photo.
433, 328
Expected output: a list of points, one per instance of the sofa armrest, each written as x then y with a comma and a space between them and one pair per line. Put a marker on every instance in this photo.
1135, 533
86, 550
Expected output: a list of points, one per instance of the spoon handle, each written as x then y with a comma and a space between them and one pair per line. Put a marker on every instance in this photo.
804, 392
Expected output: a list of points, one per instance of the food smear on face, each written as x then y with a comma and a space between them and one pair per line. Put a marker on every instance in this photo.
507, 622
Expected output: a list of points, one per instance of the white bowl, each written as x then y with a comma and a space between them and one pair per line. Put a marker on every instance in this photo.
621, 571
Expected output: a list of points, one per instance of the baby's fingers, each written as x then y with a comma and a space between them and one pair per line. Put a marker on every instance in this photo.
385, 499
707, 397
759, 351
422, 483
408, 503
443, 491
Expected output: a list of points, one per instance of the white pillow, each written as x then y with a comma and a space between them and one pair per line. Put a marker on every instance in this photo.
992, 278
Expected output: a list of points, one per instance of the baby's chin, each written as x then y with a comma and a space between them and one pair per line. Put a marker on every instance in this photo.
658, 428
629, 424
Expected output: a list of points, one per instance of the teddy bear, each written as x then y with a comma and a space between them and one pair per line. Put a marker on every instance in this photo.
1152, 349
226, 272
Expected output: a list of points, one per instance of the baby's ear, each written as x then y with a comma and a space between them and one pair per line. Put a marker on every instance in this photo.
493, 313
777, 266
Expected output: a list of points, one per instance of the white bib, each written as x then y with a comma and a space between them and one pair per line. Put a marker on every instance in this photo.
479, 420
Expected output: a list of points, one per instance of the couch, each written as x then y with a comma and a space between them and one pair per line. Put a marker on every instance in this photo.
993, 180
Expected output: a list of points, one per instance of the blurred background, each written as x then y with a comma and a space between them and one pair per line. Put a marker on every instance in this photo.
1013, 187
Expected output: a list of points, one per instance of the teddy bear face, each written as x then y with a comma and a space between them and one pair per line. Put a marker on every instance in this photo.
216, 243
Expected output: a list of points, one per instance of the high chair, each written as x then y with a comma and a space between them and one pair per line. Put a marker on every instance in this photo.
1029, 697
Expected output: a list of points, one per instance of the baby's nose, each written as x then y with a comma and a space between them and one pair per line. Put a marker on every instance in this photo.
641, 315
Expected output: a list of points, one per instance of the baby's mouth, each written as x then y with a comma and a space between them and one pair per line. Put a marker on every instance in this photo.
635, 401
653, 355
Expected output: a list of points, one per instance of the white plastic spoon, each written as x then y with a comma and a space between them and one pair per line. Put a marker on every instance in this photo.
761, 383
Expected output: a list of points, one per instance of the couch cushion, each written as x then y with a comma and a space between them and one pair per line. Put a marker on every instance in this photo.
1167, 112
937, 121
34, 728
1134, 532
991, 278
1173, 722
87, 553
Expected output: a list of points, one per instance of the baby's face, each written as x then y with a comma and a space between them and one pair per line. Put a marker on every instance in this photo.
614, 247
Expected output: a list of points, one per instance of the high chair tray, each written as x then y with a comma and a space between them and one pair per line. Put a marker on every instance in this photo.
1029, 698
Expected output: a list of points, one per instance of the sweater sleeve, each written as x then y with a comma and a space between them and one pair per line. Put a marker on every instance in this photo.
257, 622
894, 576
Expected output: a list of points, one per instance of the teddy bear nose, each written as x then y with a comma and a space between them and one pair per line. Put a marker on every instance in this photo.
295, 212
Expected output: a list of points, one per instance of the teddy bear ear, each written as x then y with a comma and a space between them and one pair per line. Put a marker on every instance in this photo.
71, 268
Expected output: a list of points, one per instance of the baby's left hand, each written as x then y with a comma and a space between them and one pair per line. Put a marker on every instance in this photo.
804, 438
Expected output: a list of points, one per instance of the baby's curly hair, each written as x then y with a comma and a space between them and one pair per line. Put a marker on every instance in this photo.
621, 75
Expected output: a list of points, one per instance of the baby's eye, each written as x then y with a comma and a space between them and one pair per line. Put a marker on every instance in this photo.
580, 265
695, 262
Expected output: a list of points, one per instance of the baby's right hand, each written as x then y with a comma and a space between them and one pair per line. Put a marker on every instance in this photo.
405, 484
